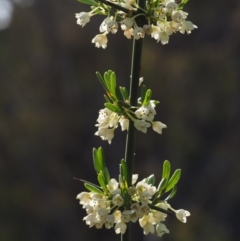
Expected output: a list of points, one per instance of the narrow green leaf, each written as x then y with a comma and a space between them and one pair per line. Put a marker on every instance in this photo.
124, 93
181, 5
101, 80
107, 80
173, 180
172, 194
162, 184
107, 99
147, 98
124, 170
113, 108
151, 179
88, 2
101, 159
143, 93
113, 83
92, 188
96, 164
102, 181
166, 170
106, 175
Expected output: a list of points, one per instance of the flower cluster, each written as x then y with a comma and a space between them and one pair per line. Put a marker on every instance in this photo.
143, 118
162, 19
113, 209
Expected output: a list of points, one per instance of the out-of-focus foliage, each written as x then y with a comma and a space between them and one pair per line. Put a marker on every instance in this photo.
49, 102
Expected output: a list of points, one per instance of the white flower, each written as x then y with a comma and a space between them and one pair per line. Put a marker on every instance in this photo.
147, 223
120, 227
134, 178
171, 6
100, 40
156, 33
187, 26
128, 4
109, 221
112, 27
82, 18
161, 229
118, 200
104, 25
138, 33
158, 126
126, 24
84, 198
182, 215
126, 215
176, 16
112, 186
124, 122
106, 134
141, 125
140, 80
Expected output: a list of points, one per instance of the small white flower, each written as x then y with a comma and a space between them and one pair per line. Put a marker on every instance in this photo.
134, 178
112, 186
100, 40
140, 81
127, 23
84, 198
126, 215
120, 227
104, 25
171, 6
158, 126
161, 229
138, 33
141, 125
118, 200
112, 27
82, 18
106, 134
187, 26
109, 221
156, 33
124, 122
147, 223
176, 16
182, 215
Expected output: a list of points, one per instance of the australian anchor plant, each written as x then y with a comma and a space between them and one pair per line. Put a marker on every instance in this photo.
116, 202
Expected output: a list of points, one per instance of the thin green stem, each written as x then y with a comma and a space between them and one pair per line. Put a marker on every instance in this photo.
134, 86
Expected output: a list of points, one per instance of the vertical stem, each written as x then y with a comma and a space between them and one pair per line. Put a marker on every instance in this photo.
134, 86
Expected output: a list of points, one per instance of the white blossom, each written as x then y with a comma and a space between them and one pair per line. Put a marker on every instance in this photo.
161, 229
100, 40
82, 18
158, 126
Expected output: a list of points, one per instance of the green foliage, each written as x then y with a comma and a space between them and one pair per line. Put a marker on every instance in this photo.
88, 2
92, 188
167, 183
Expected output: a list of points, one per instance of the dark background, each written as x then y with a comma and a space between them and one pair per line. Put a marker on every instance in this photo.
49, 102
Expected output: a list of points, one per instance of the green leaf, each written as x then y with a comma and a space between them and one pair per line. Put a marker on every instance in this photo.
162, 184
107, 99
102, 181
101, 80
172, 194
124, 170
124, 93
113, 108
96, 163
92, 188
181, 5
88, 2
106, 175
173, 180
101, 159
143, 93
147, 98
166, 170
113, 83
151, 179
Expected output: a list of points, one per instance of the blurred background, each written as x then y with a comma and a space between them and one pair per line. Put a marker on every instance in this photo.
49, 103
